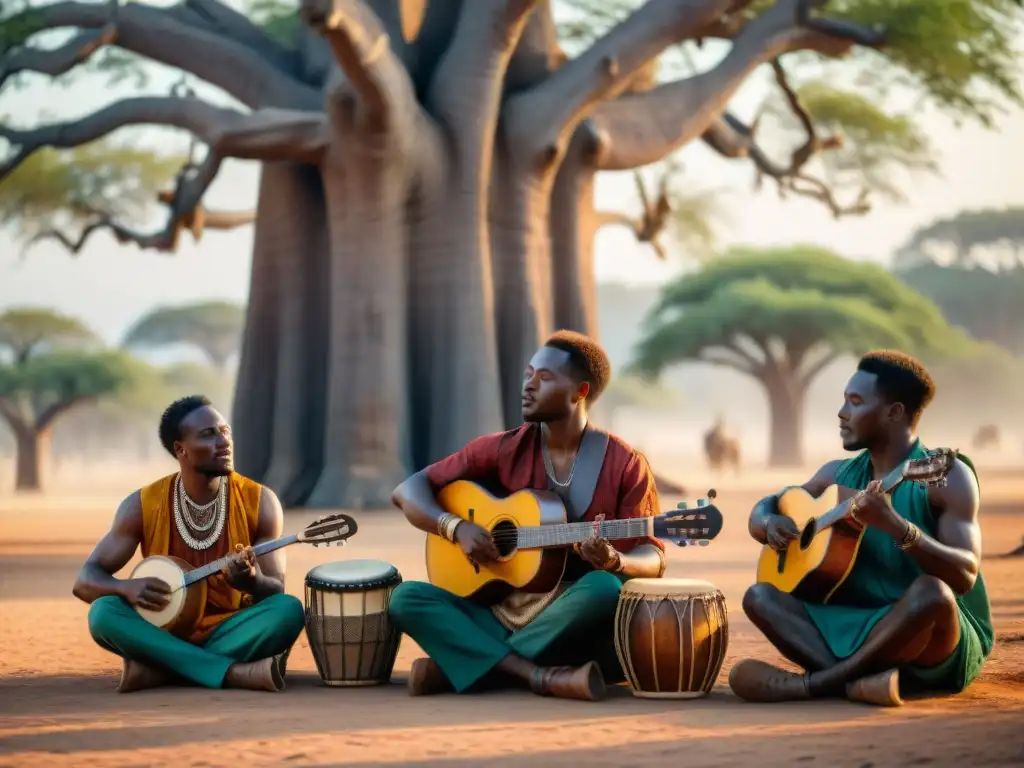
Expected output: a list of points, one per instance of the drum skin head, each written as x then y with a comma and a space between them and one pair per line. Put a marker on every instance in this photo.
166, 570
359, 575
659, 587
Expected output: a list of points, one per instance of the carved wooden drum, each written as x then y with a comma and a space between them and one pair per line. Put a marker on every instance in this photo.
350, 634
671, 636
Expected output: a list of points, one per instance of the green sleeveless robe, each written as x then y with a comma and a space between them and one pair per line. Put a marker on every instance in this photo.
881, 575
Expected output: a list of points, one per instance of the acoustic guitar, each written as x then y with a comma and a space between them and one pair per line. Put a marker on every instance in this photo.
532, 535
816, 563
187, 601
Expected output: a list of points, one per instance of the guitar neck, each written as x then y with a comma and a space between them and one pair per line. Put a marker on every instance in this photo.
208, 570
562, 534
841, 511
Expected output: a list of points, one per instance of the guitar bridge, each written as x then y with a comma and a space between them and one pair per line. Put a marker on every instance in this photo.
782, 560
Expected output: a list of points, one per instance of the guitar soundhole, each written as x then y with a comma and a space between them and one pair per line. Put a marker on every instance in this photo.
504, 535
808, 534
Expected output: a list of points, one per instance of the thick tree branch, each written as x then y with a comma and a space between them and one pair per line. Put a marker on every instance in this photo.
185, 213
809, 375
267, 134
728, 357
646, 127
157, 35
467, 88
45, 419
361, 48
237, 27
11, 413
543, 118
57, 61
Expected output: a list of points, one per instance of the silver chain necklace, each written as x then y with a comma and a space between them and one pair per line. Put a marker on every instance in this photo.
549, 466
217, 519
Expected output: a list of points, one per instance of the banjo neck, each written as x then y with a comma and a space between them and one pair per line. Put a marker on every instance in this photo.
205, 571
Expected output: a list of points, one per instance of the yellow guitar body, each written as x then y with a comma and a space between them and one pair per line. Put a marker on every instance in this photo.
814, 565
530, 570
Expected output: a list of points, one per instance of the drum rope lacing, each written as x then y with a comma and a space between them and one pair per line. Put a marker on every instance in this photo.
197, 515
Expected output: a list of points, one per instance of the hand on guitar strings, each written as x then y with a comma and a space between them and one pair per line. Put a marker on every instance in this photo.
240, 573
599, 552
149, 593
476, 542
779, 531
871, 507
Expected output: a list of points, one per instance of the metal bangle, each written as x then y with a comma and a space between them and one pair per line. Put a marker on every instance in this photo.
910, 538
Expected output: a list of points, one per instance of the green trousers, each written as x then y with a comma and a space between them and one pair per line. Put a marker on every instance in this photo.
266, 629
466, 640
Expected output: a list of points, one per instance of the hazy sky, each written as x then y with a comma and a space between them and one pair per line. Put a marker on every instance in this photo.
109, 285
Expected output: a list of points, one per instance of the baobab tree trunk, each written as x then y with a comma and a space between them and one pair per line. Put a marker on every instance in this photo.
301, 284
283, 266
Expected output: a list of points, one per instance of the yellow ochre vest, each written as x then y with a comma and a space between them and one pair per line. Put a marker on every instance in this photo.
222, 600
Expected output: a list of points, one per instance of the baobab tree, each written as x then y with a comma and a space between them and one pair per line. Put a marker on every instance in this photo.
424, 211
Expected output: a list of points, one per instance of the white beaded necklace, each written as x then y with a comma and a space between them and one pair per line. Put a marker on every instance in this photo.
182, 502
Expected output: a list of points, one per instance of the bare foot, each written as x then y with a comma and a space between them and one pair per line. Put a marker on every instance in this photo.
755, 680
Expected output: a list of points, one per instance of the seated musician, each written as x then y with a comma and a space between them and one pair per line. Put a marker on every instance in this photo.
560, 644
198, 514
914, 609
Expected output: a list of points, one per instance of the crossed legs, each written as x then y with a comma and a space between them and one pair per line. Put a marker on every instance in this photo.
922, 628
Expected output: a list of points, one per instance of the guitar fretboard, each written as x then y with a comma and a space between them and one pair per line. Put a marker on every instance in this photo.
203, 572
561, 534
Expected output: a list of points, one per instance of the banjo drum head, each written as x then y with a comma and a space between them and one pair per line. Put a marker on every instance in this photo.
165, 569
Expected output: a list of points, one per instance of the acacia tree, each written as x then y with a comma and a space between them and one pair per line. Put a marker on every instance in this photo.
782, 316
45, 379
991, 238
425, 208
214, 327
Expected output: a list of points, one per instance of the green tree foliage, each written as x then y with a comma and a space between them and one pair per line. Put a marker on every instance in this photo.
988, 305
54, 190
993, 238
782, 315
26, 330
44, 379
214, 327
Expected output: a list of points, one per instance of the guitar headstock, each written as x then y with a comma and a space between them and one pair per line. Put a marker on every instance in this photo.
690, 525
932, 470
328, 530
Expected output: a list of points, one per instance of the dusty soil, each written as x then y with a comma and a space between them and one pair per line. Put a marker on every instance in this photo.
58, 706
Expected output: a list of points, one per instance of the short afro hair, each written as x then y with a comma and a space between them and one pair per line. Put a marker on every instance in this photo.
587, 360
177, 412
900, 379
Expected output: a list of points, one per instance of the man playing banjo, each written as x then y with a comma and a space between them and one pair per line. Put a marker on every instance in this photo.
198, 514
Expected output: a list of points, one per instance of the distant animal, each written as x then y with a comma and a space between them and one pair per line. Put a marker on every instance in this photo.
721, 447
986, 436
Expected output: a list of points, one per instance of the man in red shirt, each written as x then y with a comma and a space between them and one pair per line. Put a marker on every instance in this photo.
559, 644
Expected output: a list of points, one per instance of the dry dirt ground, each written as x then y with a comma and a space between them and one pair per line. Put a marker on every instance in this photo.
58, 706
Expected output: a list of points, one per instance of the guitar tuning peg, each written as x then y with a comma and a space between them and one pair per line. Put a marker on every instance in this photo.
681, 505
702, 503
712, 493
703, 542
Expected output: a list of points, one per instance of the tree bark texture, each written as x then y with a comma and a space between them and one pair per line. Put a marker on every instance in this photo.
425, 214
786, 404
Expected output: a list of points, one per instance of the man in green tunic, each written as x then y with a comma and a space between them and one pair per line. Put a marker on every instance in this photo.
913, 613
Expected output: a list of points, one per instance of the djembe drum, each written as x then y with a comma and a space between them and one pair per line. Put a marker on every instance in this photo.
350, 635
671, 636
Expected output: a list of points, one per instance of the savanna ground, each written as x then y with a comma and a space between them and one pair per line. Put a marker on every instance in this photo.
58, 706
